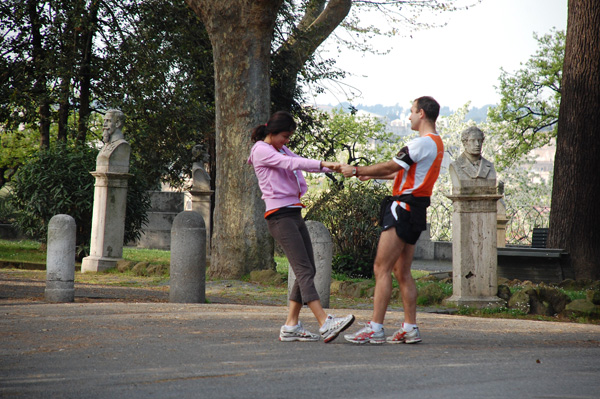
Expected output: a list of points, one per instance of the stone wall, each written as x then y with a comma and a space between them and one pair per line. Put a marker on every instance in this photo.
165, 206
10, 232
426, 249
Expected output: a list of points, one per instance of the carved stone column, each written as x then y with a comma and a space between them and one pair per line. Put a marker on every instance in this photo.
474, 251
201, 198
108, 221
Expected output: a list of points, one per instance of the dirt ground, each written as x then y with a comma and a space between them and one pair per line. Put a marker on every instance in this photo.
27, 286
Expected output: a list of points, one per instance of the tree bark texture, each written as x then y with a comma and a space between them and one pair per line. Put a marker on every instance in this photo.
40, 90
575, 215
241, 32
85, 80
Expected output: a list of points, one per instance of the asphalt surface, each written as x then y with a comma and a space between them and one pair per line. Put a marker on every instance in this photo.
165, 350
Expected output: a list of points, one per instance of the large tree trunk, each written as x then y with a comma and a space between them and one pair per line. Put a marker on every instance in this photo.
575, 214
240, 32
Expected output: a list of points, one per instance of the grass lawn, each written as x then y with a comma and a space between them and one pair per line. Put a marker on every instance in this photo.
34, 252
28, 251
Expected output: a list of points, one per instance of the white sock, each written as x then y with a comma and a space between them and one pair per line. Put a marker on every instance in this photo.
376, 326
289, 328
408, 327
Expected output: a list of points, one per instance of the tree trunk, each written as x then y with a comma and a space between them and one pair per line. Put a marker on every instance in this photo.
240, 32
40, 90
63, 110
85, 76
68, 46
575, 214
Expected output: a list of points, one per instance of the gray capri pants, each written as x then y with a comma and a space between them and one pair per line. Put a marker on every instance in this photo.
289, 230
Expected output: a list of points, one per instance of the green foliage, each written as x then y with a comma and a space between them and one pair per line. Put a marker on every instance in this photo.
138, 204
342, 136
527, 115
7, 211
54, 181
432, 292
161, 77
351, 214
16, 146
151, 59
58, 181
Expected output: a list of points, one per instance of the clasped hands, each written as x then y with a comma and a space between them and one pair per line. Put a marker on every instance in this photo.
345, 169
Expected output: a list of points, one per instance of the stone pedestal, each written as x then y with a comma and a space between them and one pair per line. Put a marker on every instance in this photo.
474, 251
501, 221
108, 221
201, 198
188, 259
60, 259
474, 227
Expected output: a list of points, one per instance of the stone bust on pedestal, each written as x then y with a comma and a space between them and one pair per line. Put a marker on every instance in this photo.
114, 156
474, 232
471, 173
110, 196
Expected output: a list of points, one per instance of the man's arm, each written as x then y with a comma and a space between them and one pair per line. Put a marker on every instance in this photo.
381, 170
391, 176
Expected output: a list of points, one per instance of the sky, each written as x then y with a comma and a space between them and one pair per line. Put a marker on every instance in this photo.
455, 64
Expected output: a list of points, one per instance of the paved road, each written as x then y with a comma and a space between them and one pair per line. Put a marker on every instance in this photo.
149, 350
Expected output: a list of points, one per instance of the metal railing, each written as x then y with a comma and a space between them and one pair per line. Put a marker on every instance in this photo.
521, 221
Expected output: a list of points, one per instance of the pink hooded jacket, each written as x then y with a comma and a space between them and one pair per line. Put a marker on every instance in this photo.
279, 176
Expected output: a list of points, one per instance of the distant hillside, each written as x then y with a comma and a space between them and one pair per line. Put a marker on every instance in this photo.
397, 112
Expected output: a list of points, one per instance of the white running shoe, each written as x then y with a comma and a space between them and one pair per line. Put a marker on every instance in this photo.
403, 337
366, 335
333, 326
296, 334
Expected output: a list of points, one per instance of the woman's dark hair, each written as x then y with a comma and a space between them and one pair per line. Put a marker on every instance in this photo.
280, 121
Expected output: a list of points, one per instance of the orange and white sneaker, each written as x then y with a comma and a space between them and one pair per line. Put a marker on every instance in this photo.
366, 335
404, 337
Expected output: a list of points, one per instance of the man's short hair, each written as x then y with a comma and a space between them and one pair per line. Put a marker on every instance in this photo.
464, 136
429, 106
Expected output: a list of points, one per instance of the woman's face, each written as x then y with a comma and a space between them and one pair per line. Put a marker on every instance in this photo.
278, 140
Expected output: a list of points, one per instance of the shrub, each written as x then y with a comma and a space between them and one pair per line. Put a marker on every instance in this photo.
7, 212
351, 214
58, 181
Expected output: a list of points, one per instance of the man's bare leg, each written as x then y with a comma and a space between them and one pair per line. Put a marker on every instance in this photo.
390, 247
408, 288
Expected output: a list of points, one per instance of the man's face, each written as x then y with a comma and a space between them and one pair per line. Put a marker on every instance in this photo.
108, 127
474, 143
415, 117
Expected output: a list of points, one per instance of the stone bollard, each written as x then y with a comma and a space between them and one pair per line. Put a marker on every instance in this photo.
60, 259
323, 251
188, 259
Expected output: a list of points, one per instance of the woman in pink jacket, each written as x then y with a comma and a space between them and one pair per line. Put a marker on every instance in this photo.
280, 179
